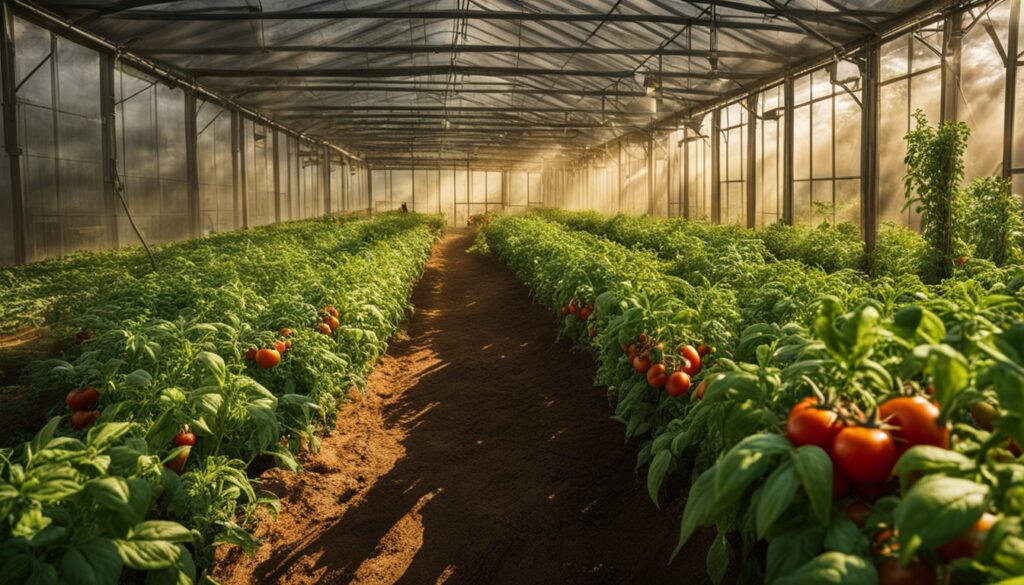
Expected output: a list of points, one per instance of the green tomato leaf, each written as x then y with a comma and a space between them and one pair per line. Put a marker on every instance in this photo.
833, 567
926, 460
814, 467
749, 460
936, 510
94, 562
775, 496
660, 466
699, 507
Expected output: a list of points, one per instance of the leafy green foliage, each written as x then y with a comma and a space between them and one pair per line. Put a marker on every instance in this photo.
935, 168
831, 248
168, 351
993, 224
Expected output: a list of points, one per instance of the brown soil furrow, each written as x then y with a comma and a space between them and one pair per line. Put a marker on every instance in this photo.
480, 452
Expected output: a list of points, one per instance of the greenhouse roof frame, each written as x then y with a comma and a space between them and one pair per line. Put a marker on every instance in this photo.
491, 82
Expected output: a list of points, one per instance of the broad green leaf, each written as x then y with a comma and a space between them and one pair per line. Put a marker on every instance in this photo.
699, 507
792, 549
95, 562
936, 510
719, 557
926, 459
814, 467
775, 496
748, 461
833, 567
844, 536
103, 435
214, 366
43, 437
660, 466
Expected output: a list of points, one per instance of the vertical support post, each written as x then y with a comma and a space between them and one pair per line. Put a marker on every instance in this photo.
1012, 50
107, 147
619, 180
751, 166
684, 188
369, 190
670, 154
787, 151
504, 190
716, 184
236, 188
869, 145
650, 174
11, 135
328, 204
952, 33
192, 165
277, 176
242, 175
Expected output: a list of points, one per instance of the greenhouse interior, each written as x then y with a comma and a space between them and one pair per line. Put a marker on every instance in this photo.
526, 292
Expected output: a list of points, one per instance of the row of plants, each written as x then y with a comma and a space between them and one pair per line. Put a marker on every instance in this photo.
228, 359
875, 441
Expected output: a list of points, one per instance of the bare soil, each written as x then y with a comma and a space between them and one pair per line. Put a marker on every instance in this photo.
479, 453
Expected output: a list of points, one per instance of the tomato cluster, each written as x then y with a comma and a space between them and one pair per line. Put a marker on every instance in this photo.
83, 402
329, 322
673, 373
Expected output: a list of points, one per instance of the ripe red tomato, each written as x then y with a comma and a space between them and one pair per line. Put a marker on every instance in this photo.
703, 350
83, 418
82, 398
330, 310
631, 352
970, 542
961, 260
250, 354
840, 484
692, 357
332, 322
184, 439
325, 329
677, 384
916, 419
565, 310
864, 454
809, 425
916, 573
656, 376
701, 388
641, 363
572, 308
642, 339
286, 332
268, 358
177, 464
858, 512
585, 313
280, 346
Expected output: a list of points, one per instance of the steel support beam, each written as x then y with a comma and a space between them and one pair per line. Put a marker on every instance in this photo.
192, 164
13, 149
952, 34
443, 70
716, 185
751, 162
107, 149
1010, 103
869, 145
787, 154
277, 174
325, 156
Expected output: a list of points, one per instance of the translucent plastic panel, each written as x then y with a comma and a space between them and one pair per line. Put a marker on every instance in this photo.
895, 62
427, 198
847, 121
217, 209
821, 139
734, 204
769, 189
536, 189
802, 209
518, 183
150, 144
65, 198
1018, 116
847, 201
801, 142
259, 171
447, 195
892, 126
283, 176
983, 79
494, 189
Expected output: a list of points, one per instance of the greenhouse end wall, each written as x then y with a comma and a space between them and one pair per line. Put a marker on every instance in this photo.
80, 125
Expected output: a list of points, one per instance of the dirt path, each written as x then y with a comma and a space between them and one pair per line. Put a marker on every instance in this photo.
481, 453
